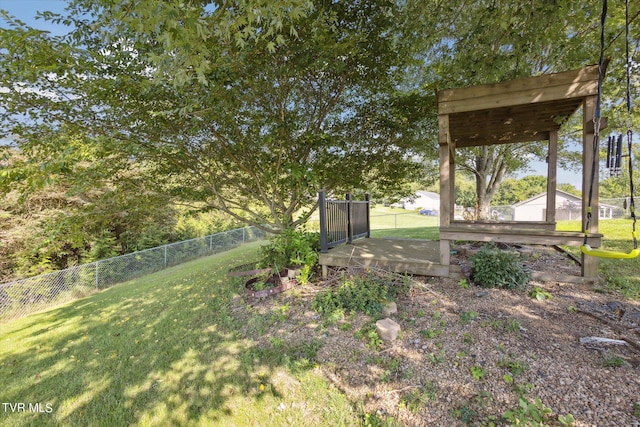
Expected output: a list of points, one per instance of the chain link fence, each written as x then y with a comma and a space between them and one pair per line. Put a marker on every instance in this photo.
29, 295
567, 210
617, 208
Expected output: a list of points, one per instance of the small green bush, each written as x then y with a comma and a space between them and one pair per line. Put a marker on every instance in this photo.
477, 372
540, 294
292, 248
493, 268
533, 413
366, 293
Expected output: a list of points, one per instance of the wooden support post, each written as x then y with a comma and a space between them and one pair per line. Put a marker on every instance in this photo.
447, 188
452, 181
552, 172
589, 263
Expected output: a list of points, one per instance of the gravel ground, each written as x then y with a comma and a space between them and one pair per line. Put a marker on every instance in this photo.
465, 356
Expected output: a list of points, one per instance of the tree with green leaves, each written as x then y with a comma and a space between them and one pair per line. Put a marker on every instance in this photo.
51, 220
516, 190
248, 108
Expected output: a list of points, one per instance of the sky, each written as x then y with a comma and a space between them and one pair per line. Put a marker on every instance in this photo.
26, 10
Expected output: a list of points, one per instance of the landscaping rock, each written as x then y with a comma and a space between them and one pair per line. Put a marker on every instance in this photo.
633, 317
389, 309
387, 330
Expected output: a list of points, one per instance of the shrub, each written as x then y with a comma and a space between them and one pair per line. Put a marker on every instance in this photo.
533, 414
540, 294
493, 268
291, 247
355, 294
366, 293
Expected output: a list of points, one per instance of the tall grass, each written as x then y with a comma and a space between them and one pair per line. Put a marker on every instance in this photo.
161, 350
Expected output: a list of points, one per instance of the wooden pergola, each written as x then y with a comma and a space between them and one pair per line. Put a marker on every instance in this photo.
518, 111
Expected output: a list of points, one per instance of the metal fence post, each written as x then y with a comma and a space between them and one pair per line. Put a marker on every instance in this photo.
349, 219
97, 262
165, 256
322, 206
367, 198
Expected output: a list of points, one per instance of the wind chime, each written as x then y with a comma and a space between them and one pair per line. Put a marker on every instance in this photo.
614, 159
615, 155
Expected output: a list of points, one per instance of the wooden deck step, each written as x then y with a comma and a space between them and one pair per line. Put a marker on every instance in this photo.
410, 256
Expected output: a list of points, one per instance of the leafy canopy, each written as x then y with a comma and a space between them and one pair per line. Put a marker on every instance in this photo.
247, 108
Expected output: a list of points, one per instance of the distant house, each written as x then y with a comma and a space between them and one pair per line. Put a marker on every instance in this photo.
422, 200
568, 207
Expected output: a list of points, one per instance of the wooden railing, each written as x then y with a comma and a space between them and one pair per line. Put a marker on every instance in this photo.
342, 221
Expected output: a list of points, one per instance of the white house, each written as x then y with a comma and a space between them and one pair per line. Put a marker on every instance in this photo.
422, 200
568, 207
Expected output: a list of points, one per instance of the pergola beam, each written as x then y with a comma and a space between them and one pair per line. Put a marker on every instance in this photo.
530, 90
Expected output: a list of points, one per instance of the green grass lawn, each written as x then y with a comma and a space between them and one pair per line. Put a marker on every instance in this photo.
428, 233
619, 274
161, 350
383, 217
401, 223
167, 349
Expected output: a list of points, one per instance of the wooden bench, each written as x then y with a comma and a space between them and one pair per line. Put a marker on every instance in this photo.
509, 234
519, 235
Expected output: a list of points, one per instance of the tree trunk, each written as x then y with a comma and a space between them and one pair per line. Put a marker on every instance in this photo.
481, 170
490, 170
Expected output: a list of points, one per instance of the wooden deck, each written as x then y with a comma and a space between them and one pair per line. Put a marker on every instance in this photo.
411, 256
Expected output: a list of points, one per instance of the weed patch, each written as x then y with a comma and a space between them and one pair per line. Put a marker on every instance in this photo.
613, 361
515, 367
364, 292
508, 325
370, 337
418, 397
477, 373
467, 316
540, 294
534, 413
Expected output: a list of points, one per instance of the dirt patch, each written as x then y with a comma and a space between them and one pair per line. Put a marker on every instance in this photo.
465, 356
